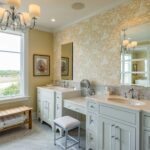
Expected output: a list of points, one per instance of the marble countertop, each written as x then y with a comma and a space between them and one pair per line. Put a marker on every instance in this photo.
57, 88
112, 100
77, 100
121, 102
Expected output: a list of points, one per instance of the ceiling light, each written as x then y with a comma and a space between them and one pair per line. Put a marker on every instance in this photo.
18, 20
53, 20
78, 6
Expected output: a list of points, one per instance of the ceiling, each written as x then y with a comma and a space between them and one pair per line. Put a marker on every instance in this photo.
139, 33
62, 11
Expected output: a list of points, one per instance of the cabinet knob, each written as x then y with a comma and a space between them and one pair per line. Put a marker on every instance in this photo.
117, 127
91, 121
91, 138
92, 106
112, 137
116, 138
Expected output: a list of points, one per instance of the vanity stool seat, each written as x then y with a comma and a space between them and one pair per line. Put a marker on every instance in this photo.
67, 123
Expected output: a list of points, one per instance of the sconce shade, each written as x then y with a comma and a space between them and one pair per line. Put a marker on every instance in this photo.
2, 10
15, 3
34, 10
25, 18
134, 43
125, 42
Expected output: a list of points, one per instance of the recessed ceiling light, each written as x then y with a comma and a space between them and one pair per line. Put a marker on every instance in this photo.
78, 6
53, 20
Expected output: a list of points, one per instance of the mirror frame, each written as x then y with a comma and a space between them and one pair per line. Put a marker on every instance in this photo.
71, 59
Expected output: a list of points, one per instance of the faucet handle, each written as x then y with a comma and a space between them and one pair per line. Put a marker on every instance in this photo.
125, 95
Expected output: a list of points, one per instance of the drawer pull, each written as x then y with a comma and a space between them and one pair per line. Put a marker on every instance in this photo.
92, 106
91, 138
91, 121
57, 107
112, 137
116, 138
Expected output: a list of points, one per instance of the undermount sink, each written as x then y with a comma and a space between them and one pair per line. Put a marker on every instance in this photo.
122, 100
136, 103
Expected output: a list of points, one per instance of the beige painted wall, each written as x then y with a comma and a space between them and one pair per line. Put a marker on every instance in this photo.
39, 43
97, 42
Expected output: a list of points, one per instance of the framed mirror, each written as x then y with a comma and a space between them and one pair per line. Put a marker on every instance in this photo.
67, 61
135, 56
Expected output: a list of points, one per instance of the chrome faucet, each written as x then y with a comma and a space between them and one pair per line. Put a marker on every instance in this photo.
65, 84
132, 91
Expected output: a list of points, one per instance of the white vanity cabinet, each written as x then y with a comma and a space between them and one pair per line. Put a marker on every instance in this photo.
113, 127
145, 131
45, 105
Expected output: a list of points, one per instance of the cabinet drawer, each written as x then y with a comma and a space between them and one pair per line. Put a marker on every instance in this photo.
91, 142
91, 121
58, 96
118, 114
74, 107
92, 106
146, 121
45, 94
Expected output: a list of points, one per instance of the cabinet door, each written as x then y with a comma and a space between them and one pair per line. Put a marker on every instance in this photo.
115, 136
51, 108
146, 140
45, 110
124, 137
106, 134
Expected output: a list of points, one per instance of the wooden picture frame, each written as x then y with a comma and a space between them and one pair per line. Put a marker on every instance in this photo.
64, 66
41, 65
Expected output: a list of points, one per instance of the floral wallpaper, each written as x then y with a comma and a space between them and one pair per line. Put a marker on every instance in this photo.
96, 42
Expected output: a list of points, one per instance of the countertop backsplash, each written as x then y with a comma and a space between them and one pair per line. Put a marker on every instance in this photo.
142, 92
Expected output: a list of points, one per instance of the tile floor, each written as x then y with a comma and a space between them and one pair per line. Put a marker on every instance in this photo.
39, 138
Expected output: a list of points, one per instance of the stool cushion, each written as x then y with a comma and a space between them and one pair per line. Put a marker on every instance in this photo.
67, 122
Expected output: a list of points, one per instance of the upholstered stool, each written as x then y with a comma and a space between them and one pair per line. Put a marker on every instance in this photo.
67, 123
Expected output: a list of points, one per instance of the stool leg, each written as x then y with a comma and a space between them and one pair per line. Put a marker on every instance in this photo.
66, 137
54, 134
79, 135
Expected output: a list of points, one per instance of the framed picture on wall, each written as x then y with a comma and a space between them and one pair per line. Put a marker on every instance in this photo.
64, 66
41, 65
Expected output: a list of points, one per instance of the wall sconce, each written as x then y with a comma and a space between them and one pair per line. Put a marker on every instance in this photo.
126, 43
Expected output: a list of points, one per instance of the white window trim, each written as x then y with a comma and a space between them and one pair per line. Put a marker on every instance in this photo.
25, 48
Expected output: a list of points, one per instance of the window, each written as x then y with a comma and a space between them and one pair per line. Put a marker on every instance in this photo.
126, 68
12, 65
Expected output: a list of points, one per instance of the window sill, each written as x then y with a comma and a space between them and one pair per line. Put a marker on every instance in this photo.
14, 99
